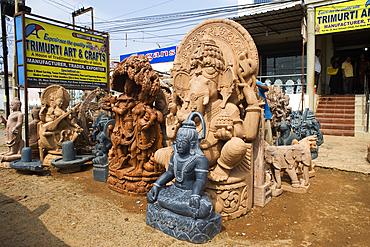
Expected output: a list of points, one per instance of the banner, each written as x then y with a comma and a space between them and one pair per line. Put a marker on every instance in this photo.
63, 56
156, 56
346, 16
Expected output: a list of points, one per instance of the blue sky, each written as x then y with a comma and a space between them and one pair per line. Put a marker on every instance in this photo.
139, 37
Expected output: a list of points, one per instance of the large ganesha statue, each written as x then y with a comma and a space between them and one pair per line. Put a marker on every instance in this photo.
214, 73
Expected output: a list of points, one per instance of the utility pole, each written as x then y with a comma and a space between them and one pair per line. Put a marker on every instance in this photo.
83, 11
15, 72
5, 58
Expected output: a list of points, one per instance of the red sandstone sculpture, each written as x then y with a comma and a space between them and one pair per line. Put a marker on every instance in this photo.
13, 132
136, 134
32, 131
215, 72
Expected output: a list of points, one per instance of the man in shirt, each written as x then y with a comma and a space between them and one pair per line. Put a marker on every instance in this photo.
317, 67
347, 69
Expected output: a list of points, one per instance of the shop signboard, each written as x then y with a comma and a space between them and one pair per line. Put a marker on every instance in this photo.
156, 56
340, 17
52, 54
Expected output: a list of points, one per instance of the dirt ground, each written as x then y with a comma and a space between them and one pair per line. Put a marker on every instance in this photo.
54, 209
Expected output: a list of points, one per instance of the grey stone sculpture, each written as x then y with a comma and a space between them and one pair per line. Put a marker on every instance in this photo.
286, 135
100, 135
70, 162
304, 125
27, 163
183, 210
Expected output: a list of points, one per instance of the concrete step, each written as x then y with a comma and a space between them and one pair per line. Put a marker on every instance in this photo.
334, 115
344, 121
334, 132
336, 111
338, 103
337, 127
336, 107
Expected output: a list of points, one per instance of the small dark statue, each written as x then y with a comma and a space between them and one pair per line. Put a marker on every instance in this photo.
100, 135
183, 210
286, 135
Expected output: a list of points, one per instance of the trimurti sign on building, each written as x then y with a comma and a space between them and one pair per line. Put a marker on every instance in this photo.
156, 56
342, 17
52, 54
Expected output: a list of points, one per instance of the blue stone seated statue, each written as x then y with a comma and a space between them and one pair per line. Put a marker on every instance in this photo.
176, 209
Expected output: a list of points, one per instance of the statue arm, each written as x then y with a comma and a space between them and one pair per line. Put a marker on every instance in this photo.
201, 172
167, 176
19, 121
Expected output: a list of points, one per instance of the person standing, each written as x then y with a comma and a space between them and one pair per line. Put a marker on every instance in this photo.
361, 66
335, 80
347, 69
317, 67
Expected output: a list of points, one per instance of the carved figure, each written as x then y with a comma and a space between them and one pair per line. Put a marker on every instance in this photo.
100, 136
185, 199
278, 102
56, 124
286, 135
92, 106
136, 134
214, 72
32, 130
291, 159
13, 132
296, 121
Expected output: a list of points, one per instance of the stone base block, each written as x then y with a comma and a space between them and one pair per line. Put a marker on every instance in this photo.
101, 173
262, 195
301, 190
68, 170
197, 231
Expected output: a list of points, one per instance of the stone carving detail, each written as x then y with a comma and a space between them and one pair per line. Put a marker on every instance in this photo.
278, 102
215, 72
136, 134
57, 125
91, 107
13, 132
296, 162
32, 131
368, 153
304, 125
183, 210
101, 136
286, 136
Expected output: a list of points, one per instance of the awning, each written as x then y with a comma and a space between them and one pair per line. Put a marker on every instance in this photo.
273, 18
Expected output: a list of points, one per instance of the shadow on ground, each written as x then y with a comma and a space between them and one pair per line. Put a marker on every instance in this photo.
17, 222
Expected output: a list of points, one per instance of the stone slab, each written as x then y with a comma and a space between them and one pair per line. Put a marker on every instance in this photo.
197, 231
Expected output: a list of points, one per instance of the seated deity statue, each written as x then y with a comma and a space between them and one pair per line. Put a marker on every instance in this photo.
56, 125
13, 132
189, 167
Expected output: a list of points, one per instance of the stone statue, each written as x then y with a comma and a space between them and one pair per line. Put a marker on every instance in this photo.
278, 102
100, 136
32, 131
13, 132
368, 153
296, 121
56, 125
214, 72
92, 106
136, 134
179, 205
286, 136
292, 159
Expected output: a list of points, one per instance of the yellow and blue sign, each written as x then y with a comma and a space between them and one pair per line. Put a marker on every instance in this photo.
156, 56
340, 17
57, 55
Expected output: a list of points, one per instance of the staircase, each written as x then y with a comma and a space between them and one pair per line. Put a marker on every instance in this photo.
336, 115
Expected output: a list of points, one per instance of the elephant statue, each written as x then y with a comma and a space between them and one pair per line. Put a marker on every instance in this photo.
290, 158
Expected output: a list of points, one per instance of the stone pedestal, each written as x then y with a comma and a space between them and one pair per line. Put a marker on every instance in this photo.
101, 173
197, 231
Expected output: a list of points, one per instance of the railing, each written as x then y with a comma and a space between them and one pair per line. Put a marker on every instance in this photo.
281, 80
